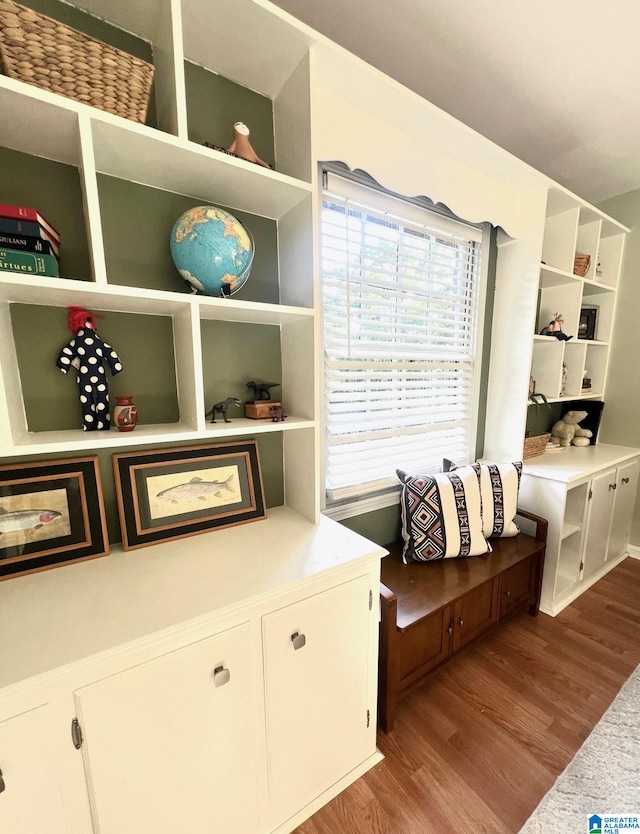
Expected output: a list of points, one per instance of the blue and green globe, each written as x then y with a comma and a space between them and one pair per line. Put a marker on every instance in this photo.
212, 250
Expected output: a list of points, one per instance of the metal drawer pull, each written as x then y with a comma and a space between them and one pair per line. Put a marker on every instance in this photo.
612, 486
298, 640
221, 676
2, 784
460, 622
449, 629
625, 480
76, 733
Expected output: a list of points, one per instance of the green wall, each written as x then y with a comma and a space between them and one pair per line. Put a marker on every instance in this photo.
620, 423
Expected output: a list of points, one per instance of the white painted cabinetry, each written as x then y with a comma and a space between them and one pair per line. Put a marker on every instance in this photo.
31, 794
172, 744
239, 698
588, 496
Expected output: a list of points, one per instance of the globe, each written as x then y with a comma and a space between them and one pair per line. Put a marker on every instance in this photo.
212, 250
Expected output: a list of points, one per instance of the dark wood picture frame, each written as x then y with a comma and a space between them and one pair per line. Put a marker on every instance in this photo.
51, 514
588, 323
166, 494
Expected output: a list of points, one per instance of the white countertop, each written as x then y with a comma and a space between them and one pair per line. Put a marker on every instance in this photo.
573, 463
59, 616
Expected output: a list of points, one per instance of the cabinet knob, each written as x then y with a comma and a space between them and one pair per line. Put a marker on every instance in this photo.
449, 629
625, 480
298, 640
612, 486
460, 622
2, 784
221, 676
507, 593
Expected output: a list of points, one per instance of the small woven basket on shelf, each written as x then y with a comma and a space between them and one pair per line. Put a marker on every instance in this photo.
534, 446
581, 264
48, 54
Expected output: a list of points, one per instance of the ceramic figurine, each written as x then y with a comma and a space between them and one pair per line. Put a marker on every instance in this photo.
241, 146
87, 353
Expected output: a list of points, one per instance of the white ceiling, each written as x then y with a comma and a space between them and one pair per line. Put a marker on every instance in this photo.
556, 82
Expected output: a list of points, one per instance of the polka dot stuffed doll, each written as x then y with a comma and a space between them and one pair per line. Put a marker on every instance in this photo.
87, 353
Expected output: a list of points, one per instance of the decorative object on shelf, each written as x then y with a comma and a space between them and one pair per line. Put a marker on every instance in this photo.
554, 328
51, 513
581, 264
535, 445
262, 390
567, 432
125, 414
48, 54
212, 250
87, 353
563, 383
586, 381
598, 267
276, 413
260, 410
588, 323
171, 493
594, 409
222, 408
241, 146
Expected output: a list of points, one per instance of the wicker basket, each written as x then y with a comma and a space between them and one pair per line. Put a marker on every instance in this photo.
534, 446
581, 264
50, 55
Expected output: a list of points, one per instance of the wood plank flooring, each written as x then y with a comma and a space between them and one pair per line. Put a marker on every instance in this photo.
479, 742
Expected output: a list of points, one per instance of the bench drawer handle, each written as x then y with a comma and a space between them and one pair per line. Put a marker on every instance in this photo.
298, 640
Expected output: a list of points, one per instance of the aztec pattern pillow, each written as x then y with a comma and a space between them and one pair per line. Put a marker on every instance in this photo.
441, 516
499, 486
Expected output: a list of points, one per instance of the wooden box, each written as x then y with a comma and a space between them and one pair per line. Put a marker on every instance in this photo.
259, 410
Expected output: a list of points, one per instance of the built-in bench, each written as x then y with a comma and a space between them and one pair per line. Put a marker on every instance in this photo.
431, 610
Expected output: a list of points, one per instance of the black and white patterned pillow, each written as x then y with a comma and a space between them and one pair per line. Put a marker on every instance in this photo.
499, 487
441, 516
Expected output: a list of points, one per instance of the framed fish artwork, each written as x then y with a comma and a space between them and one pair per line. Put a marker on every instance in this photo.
51, 514
171, 493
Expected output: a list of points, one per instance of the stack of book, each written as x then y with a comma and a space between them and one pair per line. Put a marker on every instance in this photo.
28, 242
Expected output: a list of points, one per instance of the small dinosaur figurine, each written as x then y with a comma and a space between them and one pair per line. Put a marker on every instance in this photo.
261, 388
221, 408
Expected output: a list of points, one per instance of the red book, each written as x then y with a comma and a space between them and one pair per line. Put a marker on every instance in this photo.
31, 214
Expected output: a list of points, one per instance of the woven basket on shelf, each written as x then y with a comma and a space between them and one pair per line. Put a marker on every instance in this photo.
48, 54
535, 445
581, 264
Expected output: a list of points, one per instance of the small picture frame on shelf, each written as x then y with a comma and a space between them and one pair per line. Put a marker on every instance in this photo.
51, 514
588, 323
172, 493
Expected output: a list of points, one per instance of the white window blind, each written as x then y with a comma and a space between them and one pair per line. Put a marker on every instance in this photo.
401, 288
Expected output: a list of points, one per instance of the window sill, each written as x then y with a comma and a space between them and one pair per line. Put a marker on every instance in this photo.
359, 506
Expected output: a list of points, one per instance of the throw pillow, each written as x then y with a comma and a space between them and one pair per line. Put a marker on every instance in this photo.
499, 486
441, 516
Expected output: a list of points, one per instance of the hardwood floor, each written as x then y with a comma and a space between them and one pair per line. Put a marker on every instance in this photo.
478, 743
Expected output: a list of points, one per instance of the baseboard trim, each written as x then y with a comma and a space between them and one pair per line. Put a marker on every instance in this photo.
559, 604
634, 551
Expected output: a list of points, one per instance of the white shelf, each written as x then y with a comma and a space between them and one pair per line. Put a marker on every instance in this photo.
569, 530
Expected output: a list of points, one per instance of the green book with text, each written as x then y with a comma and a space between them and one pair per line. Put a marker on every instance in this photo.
28, 263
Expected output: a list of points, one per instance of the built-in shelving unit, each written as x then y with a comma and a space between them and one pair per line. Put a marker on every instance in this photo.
559, 367
118, 163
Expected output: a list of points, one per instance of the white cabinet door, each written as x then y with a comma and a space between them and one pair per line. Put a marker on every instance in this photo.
170, 745
623, 506
599, 520
31, 800
316, 656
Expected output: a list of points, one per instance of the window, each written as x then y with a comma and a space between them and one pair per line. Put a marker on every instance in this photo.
403, 291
